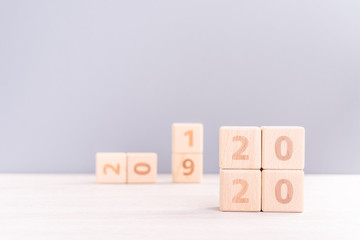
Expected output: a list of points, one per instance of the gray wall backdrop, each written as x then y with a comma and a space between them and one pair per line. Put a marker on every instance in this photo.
77, 77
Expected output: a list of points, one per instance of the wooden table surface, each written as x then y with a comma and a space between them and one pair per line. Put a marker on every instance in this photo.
74, 207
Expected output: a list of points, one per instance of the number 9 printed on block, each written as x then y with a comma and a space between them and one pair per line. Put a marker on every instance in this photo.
187, 167
110, 167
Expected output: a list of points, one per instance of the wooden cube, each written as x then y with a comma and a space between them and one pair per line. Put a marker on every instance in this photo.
240, 190
142, 167
187, 138
187, 167
240, 148
283, 148
282, 190
110, 167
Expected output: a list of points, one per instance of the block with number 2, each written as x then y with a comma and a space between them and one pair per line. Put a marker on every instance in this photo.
111, 168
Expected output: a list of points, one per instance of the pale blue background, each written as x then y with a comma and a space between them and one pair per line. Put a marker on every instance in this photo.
77, 77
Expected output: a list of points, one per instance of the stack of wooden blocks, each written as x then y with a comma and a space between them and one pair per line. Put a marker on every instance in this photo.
126, 167
187, 149
262, 169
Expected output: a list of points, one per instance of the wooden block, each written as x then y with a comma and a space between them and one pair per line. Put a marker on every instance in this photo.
187, 138
240, 190
142, 167
282, 190
187, 167
240, 148
110, 167
283, 148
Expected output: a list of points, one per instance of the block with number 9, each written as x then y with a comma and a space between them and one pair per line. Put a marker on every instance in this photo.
187, 167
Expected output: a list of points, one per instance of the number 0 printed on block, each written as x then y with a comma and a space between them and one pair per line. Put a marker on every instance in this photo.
282, 190
283, 148
142, 167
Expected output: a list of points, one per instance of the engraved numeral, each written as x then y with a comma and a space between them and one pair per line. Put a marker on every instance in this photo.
191, 140
238, 155
188, 164
289, 194
239, 197
116, 170
289, 150
138, 168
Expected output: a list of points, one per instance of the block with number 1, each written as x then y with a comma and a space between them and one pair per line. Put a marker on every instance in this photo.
187, 148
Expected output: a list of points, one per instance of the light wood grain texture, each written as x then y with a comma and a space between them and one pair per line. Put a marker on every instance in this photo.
142, 167
187, 138
110, 167
72, 206
187, 167
282, 190
240, 148
283, 148
240, 190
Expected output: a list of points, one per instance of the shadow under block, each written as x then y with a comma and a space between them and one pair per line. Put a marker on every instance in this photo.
282, 190
187, 167
240, 148
283, 148
187, 138
111, 168
142, 167
240, 190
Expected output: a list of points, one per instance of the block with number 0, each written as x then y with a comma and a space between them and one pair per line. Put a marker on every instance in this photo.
283, 148
187, 147
142, 167
111, 168
282, 190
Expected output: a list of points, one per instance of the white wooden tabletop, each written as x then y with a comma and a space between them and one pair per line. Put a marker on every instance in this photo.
74, 207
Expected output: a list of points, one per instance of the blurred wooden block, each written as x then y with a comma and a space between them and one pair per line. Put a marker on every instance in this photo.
187, 167
283, 148
240, 190
142, 167
187, 138
240, 148
110, 167
282, 190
